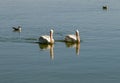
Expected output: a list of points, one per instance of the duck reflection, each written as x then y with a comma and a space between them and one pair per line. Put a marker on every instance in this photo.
18, 33
17, 30
48, 47
74, 45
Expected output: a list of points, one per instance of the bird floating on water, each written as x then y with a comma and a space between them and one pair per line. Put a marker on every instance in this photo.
47, 39
104, 7
73, 38
17, 29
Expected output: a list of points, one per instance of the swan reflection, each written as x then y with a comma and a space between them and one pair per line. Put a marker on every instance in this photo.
74, 45
48, 47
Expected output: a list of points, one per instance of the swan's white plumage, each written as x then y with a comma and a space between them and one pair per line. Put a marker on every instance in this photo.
73, 38
47, 39
70, 38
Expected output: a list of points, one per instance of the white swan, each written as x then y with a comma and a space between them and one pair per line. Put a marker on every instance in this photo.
73, 38
47, 39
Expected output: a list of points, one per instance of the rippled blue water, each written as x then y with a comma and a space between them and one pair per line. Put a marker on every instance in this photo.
24, 61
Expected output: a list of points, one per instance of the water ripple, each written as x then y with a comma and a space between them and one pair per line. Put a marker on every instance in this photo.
18, 40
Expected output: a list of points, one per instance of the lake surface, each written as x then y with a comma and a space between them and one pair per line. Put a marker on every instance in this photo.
95, 60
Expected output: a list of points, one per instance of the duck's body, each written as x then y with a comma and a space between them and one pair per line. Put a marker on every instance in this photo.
105, 7
47, 39
17, 29
73, 38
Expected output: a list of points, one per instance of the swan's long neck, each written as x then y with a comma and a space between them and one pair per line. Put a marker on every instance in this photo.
77, 36
51, 36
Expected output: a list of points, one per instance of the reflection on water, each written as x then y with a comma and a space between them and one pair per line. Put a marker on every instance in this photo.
17, 31
74, 45
48, 47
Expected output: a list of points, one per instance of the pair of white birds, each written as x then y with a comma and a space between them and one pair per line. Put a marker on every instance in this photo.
48, 39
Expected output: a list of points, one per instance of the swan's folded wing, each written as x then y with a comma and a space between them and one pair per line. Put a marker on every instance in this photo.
70, 38
44, 39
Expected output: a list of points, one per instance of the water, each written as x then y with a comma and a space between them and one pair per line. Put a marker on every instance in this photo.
24, 61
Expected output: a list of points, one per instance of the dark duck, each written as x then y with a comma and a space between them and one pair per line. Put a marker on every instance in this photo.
17, 28
105, 7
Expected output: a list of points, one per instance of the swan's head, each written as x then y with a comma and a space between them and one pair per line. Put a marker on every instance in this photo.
51, 30
77, 32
